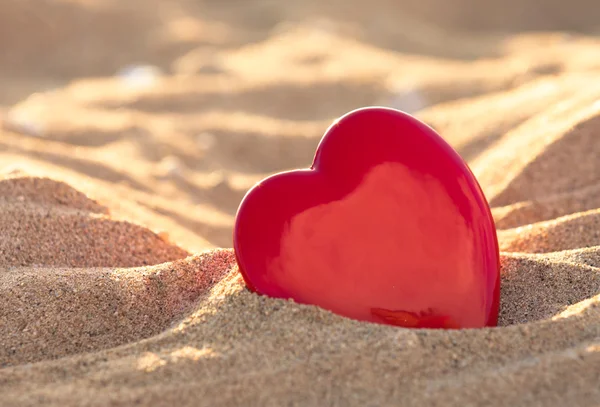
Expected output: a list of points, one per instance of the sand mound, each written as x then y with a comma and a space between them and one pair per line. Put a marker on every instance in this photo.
56, 228
96, 308
237, 348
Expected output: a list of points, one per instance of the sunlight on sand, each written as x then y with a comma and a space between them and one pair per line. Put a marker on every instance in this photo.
150, 361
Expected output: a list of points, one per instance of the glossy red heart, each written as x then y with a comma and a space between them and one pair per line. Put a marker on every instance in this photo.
389, 225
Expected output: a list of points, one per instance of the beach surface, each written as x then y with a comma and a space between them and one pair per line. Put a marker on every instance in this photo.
130, 131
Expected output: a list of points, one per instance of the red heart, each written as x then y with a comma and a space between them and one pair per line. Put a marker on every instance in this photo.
388, 225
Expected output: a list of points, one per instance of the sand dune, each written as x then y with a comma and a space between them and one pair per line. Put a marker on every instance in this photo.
118, 195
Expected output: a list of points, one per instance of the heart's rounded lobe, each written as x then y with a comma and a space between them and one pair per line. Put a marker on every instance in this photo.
389, 225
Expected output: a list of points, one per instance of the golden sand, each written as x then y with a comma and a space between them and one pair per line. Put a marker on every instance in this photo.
118, 197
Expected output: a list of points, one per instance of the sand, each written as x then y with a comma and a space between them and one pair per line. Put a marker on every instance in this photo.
118, 194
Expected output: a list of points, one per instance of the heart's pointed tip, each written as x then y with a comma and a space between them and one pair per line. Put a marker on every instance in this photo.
407, 319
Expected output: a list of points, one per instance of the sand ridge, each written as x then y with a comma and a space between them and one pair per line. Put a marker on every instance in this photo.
118, 194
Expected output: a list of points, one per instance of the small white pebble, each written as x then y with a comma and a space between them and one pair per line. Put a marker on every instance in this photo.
139, 76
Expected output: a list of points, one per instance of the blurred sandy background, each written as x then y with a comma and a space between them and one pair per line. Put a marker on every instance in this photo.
130, 130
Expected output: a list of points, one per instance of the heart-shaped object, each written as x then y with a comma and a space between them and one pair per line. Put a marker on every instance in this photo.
389, 225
